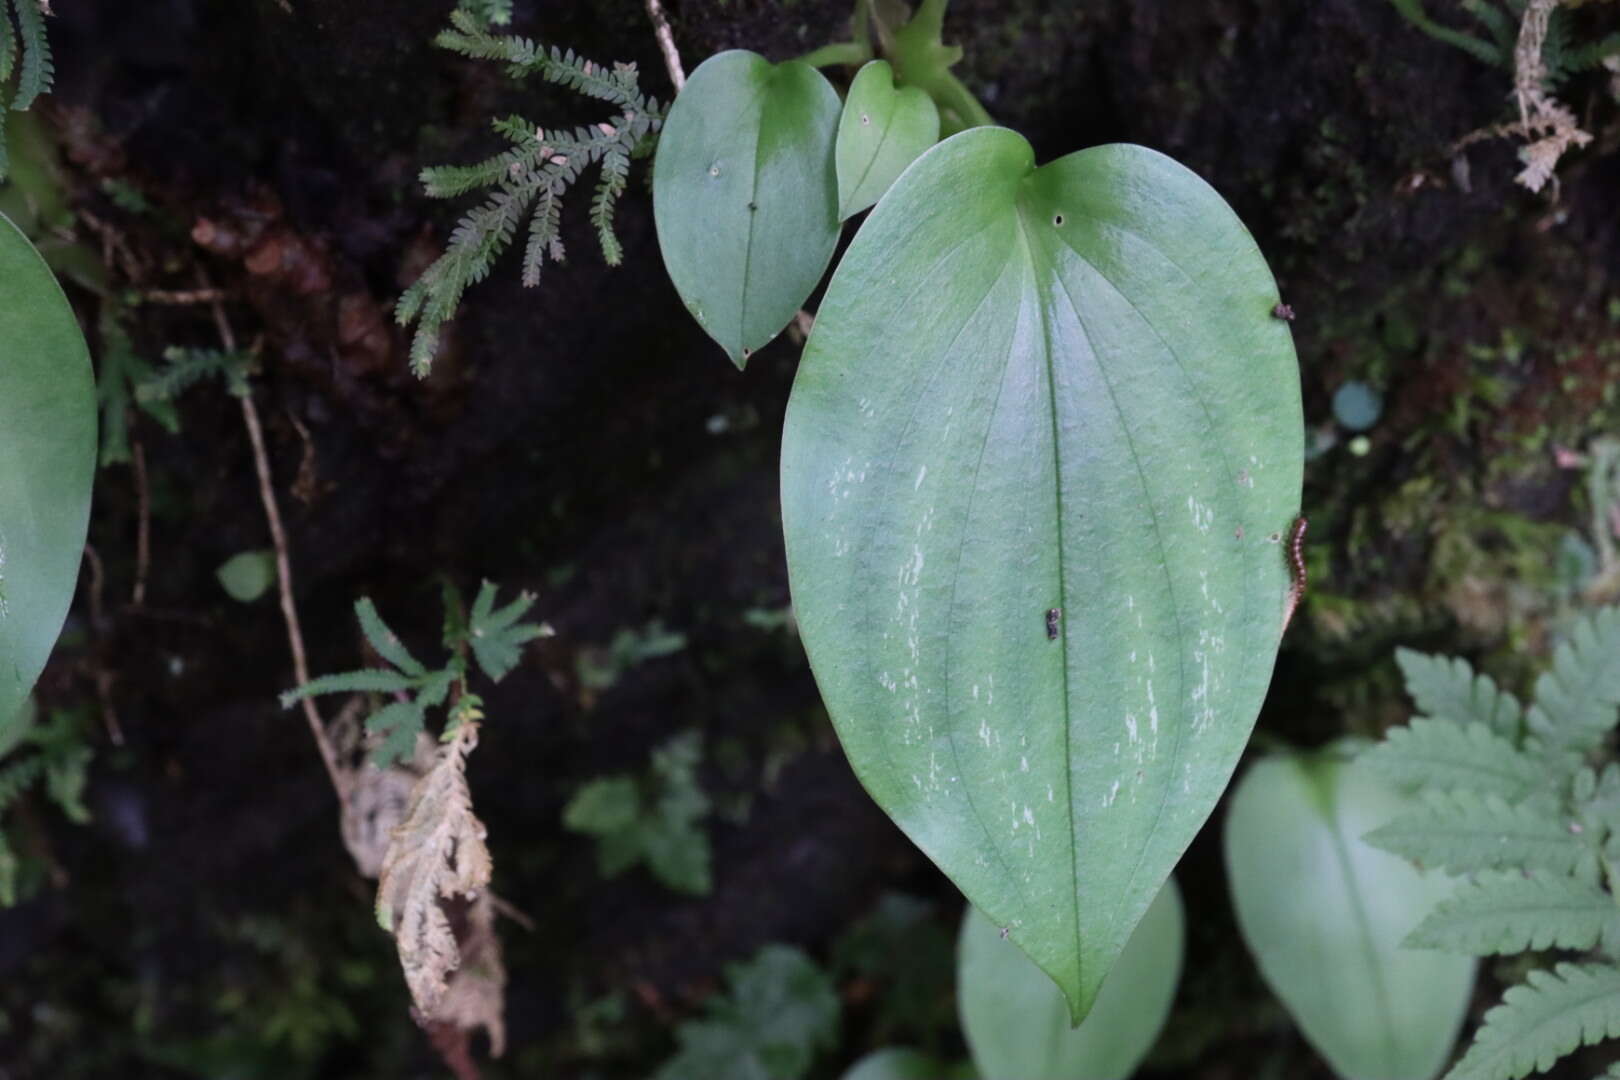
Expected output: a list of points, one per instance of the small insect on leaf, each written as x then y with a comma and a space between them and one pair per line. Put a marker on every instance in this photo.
1296, 566
1283, 311
1053, 617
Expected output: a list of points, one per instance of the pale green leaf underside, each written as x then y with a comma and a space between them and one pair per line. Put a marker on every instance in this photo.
745, 195
1017, 1023
896, 1063
47, 461
1543, 1019
1033, 389
1325, 914
881, 131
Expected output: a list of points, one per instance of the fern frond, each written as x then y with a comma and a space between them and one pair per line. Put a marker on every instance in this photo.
474, 41
187, 367
480, 237
1576, 701
1448, 687
615, 173
1464, 832
1543, 1019
8, 859
536, 172
8, 50
1446, 756
399, 722
36, 72
364, 681
384, 640
17, 777
437, 853
616, 86
488, 12
1591, 55
1483, 50
448, 181
496, 635
544, 239
66, 772
1503, 28
1514, 912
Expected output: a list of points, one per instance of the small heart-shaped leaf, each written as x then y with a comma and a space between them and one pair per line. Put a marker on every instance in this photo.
1037, 463
47, 461
881, 131
1017, 1023
745, 195
247, 575
1324, 914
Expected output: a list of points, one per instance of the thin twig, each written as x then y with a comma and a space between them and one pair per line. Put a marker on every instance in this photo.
666, 44
182, 296
278, 537
143, 525
517, 915
98, 626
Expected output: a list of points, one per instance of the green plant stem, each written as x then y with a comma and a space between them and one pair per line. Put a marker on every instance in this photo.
922, 59
843, 52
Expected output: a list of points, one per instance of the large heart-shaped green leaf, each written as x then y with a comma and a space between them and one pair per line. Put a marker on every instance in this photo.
745, 195
1039, 455
881, 131
1017, 1023
1324, 914
47, 461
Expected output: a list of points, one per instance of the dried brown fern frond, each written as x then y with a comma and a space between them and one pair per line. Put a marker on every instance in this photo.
1546, 124
476, 992
1540, 114
437, 862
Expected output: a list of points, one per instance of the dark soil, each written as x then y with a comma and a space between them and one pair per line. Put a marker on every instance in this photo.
587, 442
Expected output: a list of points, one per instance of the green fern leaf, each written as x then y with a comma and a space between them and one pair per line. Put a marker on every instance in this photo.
496, 635
1513, 912
187, 367
448, 181
538, 169
400, 722
1543, 1019
544, 239
1446, 756
384, 640
1483, 50
615, 173
17, 777
364, 681
1503, 27
1576, 701
488, 12
36, 71
1447, 687
1464, 832
8, 50
8, 860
